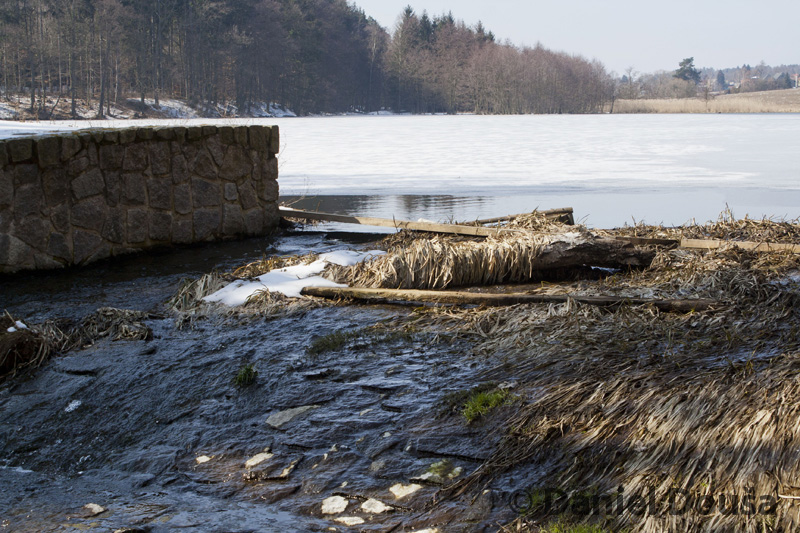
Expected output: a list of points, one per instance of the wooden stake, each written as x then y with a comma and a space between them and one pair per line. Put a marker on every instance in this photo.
474, 298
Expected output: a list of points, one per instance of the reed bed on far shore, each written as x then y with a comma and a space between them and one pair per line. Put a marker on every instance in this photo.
784, 101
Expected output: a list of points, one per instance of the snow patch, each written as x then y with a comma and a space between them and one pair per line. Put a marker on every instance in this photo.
74, 404
290, 280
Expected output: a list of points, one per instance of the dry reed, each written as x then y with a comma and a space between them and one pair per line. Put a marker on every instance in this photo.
702, 403
784, 101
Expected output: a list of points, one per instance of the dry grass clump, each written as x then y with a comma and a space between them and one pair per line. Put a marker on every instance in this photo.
276, 304
696, 405
189, 297
439, 262
727, 227
21, 349
30, 348
262, 266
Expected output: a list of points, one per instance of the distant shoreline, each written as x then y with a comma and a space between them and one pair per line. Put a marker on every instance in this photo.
781, 101
15, 108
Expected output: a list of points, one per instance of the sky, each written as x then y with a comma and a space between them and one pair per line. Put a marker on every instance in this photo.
648, 36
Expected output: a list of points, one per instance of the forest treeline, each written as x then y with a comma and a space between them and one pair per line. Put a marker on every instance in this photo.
308, 55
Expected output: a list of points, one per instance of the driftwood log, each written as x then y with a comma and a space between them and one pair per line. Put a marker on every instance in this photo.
473, 298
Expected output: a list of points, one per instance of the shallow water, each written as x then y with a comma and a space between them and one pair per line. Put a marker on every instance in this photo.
121, 424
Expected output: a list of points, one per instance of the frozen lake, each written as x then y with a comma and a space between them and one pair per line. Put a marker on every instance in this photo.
611, 168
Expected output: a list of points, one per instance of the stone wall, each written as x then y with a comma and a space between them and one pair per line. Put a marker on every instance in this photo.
73, 198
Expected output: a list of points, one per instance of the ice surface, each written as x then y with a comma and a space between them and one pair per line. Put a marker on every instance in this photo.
611, 168
290, 280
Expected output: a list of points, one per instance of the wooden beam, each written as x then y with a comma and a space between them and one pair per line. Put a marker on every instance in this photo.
711, 244
390, 223
564, 213
474, 298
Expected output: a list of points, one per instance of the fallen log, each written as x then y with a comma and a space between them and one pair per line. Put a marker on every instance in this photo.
494, 299
432, 227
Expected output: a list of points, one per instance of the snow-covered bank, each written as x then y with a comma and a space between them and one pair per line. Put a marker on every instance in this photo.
290, 280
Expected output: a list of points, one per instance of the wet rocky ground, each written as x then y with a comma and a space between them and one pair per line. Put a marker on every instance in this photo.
158, 435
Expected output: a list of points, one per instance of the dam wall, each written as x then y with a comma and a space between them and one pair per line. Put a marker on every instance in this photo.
71, 198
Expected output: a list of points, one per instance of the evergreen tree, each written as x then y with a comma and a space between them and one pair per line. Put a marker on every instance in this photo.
686, 71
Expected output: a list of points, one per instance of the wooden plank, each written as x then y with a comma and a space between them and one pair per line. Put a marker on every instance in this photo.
711, 244
473, 298
549, 213
456, 229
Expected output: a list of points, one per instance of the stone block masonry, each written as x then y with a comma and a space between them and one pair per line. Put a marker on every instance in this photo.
77, 197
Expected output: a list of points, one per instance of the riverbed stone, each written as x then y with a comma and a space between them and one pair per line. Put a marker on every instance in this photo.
160, 226
48, 151
281, 418
20, 150
88, 184
206, 223
205, 193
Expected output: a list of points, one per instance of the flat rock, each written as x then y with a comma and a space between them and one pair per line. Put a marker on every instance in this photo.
281, 418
